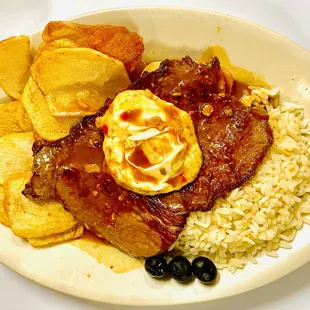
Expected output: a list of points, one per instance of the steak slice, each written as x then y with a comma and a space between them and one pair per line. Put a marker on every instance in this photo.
138, 225
233, 139
184, 83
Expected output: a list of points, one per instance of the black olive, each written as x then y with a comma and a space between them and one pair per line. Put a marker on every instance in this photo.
156, 266
180, 269
204, 269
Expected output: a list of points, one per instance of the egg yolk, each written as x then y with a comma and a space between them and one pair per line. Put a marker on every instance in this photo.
150, 145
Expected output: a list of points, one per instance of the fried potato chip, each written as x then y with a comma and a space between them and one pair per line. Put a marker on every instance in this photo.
23, 118
115, 41
3, 216
14, 65
15, 154
54, 45
48, 127
30, 219
74, 233
13, 118
77, 81
152, 66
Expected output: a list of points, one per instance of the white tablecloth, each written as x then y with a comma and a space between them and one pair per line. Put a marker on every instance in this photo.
291, 18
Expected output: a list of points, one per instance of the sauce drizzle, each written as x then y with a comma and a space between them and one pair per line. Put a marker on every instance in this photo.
239, 74
106, 254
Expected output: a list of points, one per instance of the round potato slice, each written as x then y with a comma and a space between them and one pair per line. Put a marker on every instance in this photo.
35, 220
77, 81
13, 118
3, 216
55, 44
115, 41
48, 127
14, 65
15, 154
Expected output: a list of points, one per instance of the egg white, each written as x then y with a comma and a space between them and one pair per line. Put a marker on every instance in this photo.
162, 133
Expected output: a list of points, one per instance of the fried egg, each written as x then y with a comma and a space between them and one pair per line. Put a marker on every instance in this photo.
150, 145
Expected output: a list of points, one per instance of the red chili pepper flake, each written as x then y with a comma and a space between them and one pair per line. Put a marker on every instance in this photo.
105, 129
124, 116
109, 220
183, 179
108, 102
98, 187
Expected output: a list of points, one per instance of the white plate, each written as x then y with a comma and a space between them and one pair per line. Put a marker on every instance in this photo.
175, 32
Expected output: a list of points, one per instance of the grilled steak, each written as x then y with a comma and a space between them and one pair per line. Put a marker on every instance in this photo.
233, 139
139, 225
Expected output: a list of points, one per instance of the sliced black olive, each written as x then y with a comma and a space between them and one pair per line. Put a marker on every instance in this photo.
156, 266
180, 269
204, 269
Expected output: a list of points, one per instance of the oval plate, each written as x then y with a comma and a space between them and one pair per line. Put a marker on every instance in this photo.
175, 32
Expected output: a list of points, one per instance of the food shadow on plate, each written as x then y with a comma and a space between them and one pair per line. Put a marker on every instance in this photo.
157, 51
283, 288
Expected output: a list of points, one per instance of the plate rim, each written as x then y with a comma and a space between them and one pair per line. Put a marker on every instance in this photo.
110, 299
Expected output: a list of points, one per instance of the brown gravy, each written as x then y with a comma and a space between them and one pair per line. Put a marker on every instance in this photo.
132, 116
239, 89
139, 159
239, 74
